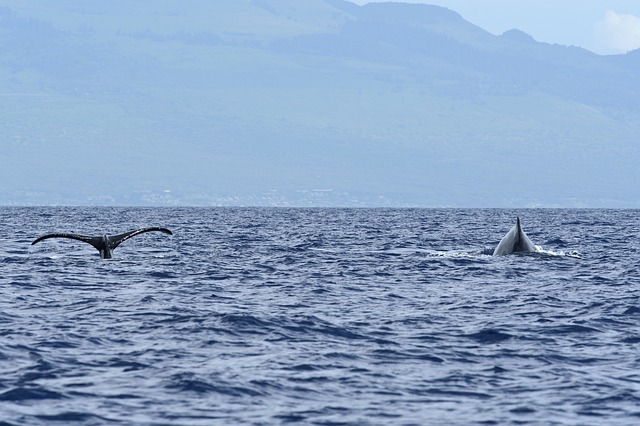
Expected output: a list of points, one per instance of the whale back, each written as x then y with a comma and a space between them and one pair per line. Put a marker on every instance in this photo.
515, 241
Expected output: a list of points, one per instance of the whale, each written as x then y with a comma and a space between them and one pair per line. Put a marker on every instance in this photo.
105, 244
515, 241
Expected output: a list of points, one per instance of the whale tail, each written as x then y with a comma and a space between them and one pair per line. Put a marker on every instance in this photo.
94, 241
116, 240
105, 244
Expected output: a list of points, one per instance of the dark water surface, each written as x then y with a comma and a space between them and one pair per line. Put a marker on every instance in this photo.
320, 316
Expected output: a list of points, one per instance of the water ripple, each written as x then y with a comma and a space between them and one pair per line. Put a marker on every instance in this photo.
320, 316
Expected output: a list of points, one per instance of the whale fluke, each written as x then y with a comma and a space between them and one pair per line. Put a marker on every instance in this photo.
106, 243
515, 241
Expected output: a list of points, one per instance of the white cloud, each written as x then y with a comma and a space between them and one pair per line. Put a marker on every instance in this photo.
617, 33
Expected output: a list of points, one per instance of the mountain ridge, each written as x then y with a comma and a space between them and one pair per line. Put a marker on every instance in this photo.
279, 102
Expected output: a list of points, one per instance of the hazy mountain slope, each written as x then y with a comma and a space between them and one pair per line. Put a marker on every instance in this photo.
315, 102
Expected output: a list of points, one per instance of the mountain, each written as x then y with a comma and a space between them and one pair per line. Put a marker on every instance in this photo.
321, 102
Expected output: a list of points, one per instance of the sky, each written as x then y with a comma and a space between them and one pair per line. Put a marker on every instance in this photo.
602, 26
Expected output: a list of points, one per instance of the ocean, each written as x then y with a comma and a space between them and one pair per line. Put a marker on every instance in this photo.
269, 316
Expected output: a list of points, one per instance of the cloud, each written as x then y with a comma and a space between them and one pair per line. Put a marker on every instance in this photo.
617, 33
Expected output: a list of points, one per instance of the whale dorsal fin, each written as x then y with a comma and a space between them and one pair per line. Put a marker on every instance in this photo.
515, 241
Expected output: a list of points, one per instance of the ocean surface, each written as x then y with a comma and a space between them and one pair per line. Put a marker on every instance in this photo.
263, 316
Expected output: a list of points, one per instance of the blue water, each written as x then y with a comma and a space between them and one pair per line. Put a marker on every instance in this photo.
320, 316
